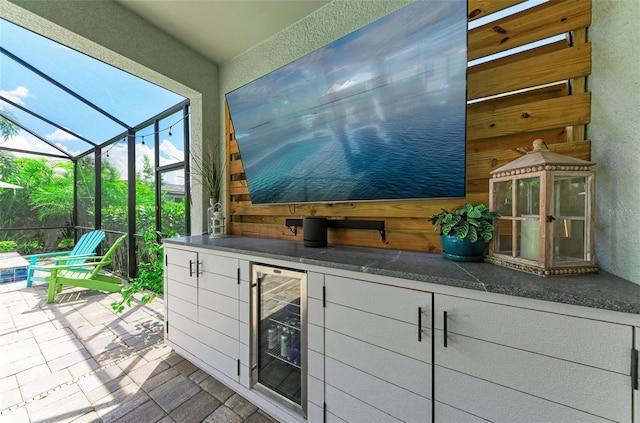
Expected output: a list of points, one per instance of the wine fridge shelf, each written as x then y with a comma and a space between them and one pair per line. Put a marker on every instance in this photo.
275, 353
284, 324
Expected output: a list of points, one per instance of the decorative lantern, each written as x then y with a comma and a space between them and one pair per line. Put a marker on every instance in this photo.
546, 203
216, 225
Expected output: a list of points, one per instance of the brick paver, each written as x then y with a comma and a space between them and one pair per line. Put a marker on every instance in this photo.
76, 360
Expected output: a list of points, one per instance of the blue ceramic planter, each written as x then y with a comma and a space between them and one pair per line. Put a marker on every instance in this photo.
462, 249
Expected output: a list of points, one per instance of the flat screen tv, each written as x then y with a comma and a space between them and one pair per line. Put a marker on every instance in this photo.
378, 114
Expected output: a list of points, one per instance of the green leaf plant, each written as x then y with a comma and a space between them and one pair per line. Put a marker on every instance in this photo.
470, 222
6, 246
150, 279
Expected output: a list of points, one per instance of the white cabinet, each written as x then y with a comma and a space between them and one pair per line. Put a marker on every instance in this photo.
505, 363
204, 308
377, 352
218, 312
181, 291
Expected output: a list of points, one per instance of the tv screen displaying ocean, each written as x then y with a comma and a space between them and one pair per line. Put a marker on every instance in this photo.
377, 115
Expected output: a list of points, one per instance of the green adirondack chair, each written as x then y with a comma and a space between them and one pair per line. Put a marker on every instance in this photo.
85, 247
80, 276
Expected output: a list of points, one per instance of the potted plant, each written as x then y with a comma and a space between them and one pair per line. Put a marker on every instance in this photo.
465, 231
206, 171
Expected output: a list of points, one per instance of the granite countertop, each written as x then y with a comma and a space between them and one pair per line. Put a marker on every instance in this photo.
602, 290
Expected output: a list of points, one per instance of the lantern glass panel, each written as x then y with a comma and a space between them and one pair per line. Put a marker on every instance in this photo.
502, 197
218, 228
529, 230
569, 241
570, 195
504, 238
528, 196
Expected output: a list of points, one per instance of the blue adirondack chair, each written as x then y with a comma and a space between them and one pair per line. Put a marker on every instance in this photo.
86, 247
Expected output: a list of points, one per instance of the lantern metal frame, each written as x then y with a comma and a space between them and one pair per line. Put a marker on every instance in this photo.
552, 170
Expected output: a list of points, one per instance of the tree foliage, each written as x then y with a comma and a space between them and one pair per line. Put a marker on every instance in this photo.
47, 198
7, 128
150, 279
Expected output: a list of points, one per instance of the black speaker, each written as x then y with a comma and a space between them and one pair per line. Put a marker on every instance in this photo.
315, 231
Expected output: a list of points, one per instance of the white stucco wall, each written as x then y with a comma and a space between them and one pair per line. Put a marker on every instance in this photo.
109, 32
615, 134
325, 25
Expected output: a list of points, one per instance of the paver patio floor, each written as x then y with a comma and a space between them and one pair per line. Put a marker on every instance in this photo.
78, 361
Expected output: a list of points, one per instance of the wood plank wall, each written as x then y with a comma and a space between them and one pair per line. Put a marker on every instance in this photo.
512, 100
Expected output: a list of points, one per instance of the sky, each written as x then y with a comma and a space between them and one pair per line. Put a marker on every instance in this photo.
128, 99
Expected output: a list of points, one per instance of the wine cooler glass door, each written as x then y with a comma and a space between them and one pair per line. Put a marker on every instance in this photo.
279, 338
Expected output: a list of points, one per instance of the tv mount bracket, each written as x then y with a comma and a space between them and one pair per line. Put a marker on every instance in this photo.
378, 225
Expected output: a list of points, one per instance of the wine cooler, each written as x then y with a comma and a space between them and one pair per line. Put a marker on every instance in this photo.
279, 335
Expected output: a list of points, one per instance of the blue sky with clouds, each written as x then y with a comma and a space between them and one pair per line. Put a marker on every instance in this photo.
126, 97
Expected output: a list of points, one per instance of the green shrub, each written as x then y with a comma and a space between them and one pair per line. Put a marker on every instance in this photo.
6, 246
150, 279
29, 247
67, 237
66, 243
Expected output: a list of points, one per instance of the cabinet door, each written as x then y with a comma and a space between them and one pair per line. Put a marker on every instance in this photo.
218, 311
244, 319
504, 363
181, 290
377, 352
